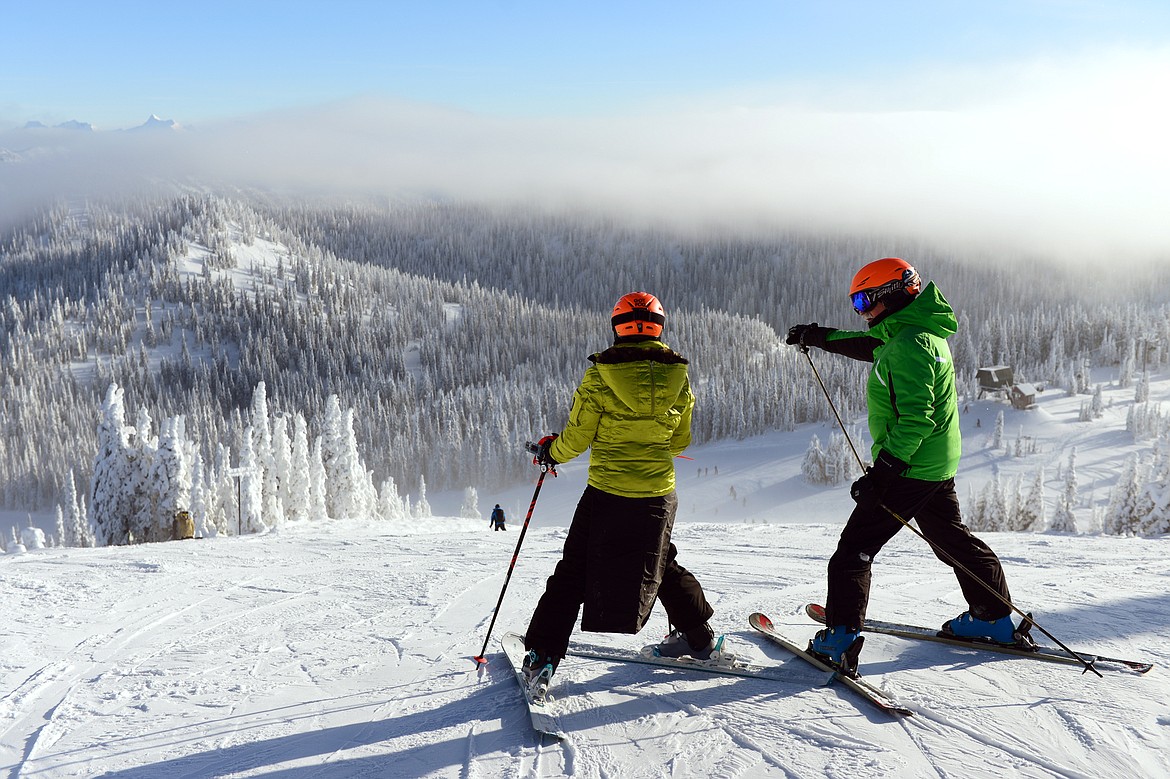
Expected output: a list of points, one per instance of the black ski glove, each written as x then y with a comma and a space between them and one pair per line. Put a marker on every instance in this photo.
542, 456
870, 489
805, 336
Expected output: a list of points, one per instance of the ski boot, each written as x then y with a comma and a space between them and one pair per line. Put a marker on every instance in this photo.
699, 643
997, 631
838, 646
538, 670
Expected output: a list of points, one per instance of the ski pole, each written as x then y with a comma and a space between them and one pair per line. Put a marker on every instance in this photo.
481, 658
1088, 664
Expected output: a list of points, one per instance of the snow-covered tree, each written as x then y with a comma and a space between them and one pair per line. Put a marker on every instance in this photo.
169, 481
223, 507
300, 484
422, 509
1072, 382
318, 508
281, 467
199, 497
975, 515
14, 545
59, 525
997, 516
1142, 392
469, 509
111, 504
390, 506
1125, 372
996, 441
32, 538
835, 464
76, 526
1127, 506
251, 478
1097, 407
142, 491
1030, 514
1064, 516
265, 456
813, 466
1146, 420
334, 441
349, 482
1157, 497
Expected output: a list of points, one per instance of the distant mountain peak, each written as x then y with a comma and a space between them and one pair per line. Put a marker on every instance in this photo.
72, 124
154, 122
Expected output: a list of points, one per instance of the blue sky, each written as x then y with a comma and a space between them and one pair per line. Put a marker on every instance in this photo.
115, 63
1022, 125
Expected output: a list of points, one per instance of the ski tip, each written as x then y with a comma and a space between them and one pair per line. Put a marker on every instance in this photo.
815, 612
760, 620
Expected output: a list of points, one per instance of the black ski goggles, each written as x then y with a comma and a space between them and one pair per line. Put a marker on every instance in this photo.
863, 301
639, 315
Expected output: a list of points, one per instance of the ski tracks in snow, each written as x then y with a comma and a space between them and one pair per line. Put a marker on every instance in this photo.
348, 653
43, 707
998, 692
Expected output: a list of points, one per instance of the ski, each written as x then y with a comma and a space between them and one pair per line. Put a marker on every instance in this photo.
1049, 654
871, 692
723, 663
541, 712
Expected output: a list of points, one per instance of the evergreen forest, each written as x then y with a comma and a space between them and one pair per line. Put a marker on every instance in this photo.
445, 335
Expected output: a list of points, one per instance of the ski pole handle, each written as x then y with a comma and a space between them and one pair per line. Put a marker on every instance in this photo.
534, 449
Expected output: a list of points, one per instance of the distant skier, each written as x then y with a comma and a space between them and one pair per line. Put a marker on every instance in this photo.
633, 409
914, 422
497, 520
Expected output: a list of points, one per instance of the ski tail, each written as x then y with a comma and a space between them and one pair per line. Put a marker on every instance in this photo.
541, 711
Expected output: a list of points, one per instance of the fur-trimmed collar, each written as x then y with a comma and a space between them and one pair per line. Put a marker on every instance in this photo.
655, 351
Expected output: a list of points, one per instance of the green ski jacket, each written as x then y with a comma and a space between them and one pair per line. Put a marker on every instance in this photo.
913, 406
633, 410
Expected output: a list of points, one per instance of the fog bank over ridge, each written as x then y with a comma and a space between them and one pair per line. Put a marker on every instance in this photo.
1058, 161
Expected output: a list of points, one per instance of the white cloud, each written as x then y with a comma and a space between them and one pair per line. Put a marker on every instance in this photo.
1063, 157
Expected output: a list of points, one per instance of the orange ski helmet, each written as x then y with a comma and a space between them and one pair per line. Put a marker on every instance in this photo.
638, 313
881, 278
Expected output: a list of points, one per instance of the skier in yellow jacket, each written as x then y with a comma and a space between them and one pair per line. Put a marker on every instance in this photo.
633, 410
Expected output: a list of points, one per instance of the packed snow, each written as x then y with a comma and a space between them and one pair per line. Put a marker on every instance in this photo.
340, 649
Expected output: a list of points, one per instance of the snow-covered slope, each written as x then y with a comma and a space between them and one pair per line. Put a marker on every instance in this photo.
343, 649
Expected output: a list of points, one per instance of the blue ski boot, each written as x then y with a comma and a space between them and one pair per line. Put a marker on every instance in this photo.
999, 631
839, 646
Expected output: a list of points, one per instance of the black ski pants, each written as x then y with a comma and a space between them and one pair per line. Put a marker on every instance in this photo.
935, 506
618, 558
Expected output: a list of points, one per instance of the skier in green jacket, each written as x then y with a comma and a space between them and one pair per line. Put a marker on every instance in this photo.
914, 423
633, 411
